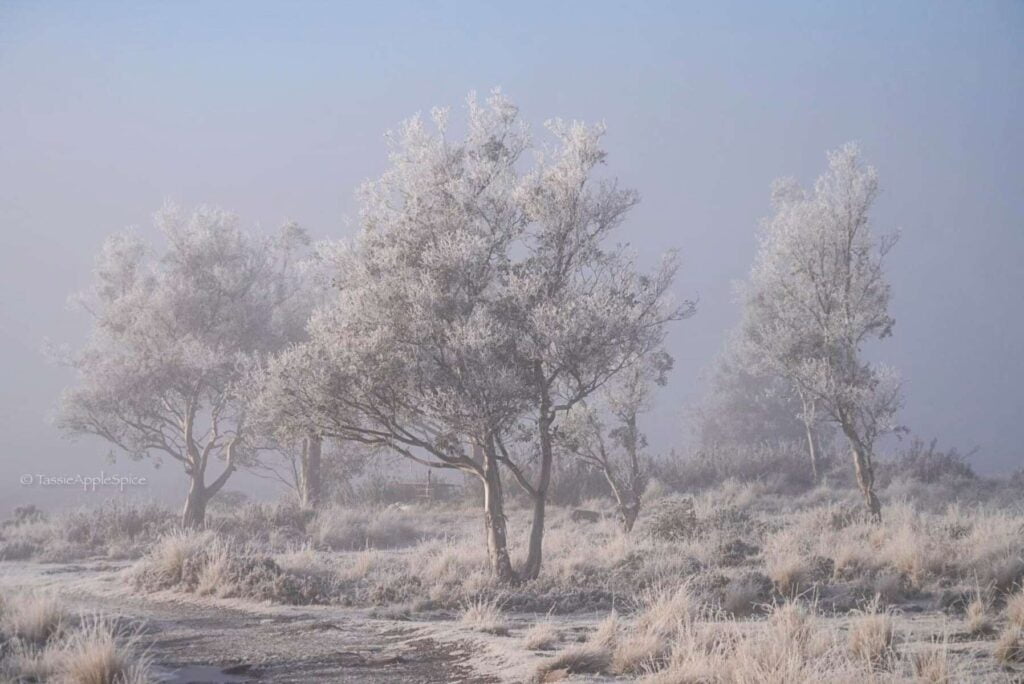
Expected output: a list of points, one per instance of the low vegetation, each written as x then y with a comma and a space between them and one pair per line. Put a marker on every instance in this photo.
40, 642
731, 581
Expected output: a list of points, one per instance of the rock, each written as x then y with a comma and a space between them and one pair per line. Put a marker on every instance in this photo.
583, 515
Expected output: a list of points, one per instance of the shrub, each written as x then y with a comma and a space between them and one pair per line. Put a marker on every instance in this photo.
781, 468
28, 514
671, 519
925, 463
351, 530
114, 529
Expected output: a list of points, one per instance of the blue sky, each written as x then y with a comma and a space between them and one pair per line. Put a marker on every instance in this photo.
277, 110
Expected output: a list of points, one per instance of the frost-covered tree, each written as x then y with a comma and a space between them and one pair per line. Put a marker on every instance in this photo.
582, 309
411, 351
817, 294
477, 300
173, 333
291, 445
605, 434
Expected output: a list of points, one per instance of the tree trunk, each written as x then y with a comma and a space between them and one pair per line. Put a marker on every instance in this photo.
629, 512
813, 450
866, 482
808, 419
310, 482
535, 553
494, 520
194, 515
865, 474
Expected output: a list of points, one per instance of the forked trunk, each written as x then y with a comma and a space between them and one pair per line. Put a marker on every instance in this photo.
494, 521
310, 482
200, 493
865, 474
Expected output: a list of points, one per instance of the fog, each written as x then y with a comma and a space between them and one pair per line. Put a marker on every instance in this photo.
278, 112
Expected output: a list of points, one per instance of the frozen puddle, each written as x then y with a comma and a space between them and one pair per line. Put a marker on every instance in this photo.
202, 674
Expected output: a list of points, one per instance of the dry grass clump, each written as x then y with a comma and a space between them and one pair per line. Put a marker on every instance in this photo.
977, 617
101, 653
791, 645
1009, 647
932, 664
32, 619
449, 562
911, 551
789, 562
991, 548
746, 595
872, 637
1015, 608
673, 639
203, 563
484, 615
43, 644
664, 615
339, 529
592, 657
168, 561
667, 618
542, 636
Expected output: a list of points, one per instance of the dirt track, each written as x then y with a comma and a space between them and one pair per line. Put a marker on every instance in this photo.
207, 641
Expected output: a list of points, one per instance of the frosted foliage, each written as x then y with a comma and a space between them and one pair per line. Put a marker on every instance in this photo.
467, 274
478, 302
174, 332
817, 293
